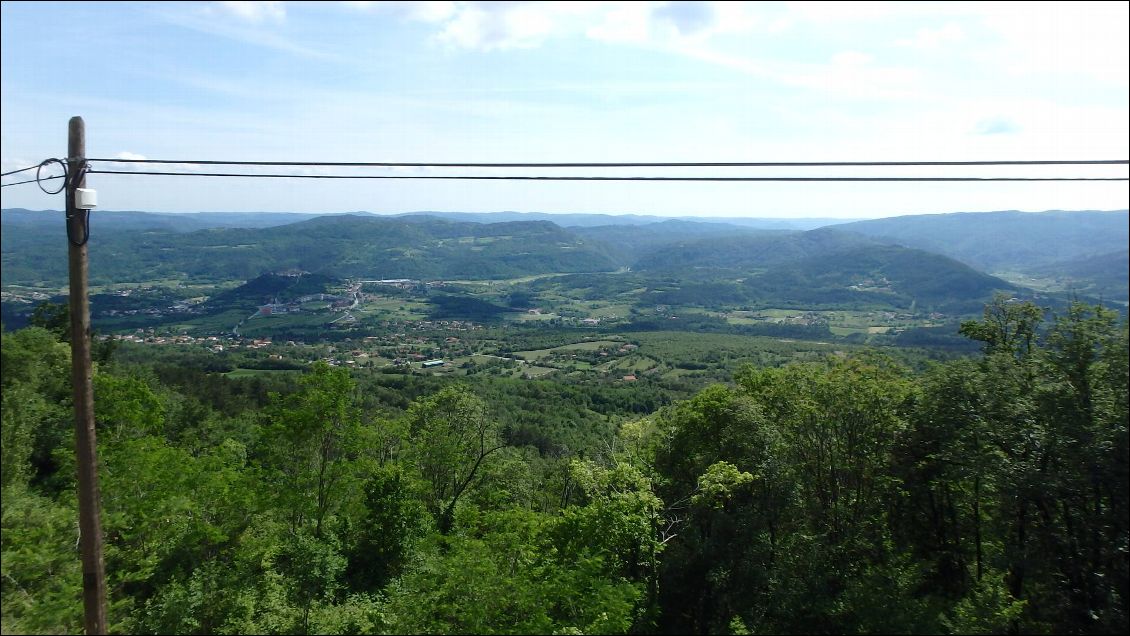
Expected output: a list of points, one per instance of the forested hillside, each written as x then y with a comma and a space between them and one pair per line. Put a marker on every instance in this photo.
740, 252
997, 241
345, 245
658, 240
845, 494
816, 269
1106, 275
1081, 253
878, 274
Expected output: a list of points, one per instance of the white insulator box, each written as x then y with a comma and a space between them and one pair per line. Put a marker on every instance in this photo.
86, 198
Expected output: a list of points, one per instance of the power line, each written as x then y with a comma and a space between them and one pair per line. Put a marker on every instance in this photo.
781, 164
758, 164
4, 174
587, 178
60, 176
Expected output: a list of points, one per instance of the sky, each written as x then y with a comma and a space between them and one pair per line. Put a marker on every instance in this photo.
485, 82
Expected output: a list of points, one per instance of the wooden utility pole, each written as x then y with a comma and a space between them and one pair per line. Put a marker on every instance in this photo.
82, 376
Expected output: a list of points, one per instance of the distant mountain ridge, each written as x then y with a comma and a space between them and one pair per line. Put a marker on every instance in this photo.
1077, 251
914, 252
190, 221
998, 241
168, 221
580, 220
342, 246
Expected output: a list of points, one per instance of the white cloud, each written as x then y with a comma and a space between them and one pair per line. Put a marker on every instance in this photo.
932, 39
1084, 38
860, 81
509, 25
628, 22
130, 155
254, 11
851, 58
687, 29
422, 11
514, 25
431, 11
476, 27
14, 164
490, 27
842, 11
1077, 38
8, 165
849, 74
668, 24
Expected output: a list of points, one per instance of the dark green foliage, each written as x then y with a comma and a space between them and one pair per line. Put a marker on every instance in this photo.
380, 538
847, 499
54, 317
309, 447
42, 574
946, 337
557, 418
449, 307
836, 494
521, 300
1008, 328
707, 294
505, 576
272, 288
35, 383
452, 435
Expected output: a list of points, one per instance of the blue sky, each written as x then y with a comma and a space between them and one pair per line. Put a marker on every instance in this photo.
573, 82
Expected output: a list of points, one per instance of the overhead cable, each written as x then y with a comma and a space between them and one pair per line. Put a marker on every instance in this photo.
10, 172
756, 164
5, 185
583, 178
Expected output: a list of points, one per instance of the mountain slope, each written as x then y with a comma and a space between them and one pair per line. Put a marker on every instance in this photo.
1004, 241
1106, 275
742, 254
628, 243
878, 275
341, 246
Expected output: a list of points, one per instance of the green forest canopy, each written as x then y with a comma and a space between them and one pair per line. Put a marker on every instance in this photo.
848, 495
